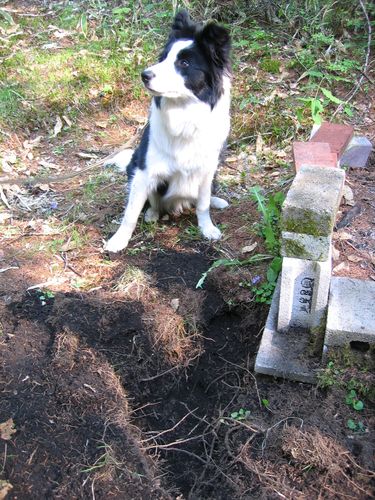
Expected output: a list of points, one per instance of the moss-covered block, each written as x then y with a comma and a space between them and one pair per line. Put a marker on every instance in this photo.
312, 201
305, 246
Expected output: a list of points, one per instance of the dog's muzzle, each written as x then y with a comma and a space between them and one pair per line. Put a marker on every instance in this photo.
147, 75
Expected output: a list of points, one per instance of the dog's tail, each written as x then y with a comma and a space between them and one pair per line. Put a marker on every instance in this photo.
120, 160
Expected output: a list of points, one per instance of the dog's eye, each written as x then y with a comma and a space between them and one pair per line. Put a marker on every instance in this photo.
183, 63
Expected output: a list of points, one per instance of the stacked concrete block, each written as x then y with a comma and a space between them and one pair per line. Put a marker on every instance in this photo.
309, 213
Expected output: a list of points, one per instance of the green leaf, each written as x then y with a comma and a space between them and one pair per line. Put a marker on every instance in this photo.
84, 25
358, 405
330, 96
6, 16
351, 424
265, 403
235, 414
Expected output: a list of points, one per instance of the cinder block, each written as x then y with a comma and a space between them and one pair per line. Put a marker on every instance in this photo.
357, 153
351, 312
336, 135
284, 355
312, 201
313, 154
305, 246
304, 294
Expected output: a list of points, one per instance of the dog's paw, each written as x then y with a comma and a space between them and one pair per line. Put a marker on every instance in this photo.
121, 160
211, 232
151, 215
116, 243
218, 203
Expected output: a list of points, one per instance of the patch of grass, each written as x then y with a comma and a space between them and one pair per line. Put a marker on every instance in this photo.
270, 65
134, 282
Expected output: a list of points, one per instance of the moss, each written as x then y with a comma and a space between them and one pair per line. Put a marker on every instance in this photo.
270, 65
346, 357
295, 249
305, 224
317, 337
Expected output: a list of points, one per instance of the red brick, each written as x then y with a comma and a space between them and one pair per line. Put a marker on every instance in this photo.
313, 154
336, 135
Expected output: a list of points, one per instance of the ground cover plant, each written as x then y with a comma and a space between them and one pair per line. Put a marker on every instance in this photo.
120, 377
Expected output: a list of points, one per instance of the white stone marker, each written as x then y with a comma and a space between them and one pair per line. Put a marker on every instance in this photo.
304, 294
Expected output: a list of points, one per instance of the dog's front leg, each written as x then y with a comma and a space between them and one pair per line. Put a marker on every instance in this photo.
203, 210
137, 199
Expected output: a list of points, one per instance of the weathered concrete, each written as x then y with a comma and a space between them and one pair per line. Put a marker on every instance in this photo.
305, 246
313, 154
336, 135
357, 153
284, 355
312, 201
351, 312
304, 294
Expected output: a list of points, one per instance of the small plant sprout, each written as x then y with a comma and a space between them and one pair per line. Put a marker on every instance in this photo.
44, 296
355, 426
353, 400
240, 415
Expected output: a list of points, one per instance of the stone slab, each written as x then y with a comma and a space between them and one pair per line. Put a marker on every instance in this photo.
312, 201
305, 246
313, 154
336, 135
351, 312
357, 153
304, 294
284, 355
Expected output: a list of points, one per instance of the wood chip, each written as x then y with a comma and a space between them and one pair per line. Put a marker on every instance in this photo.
343, 266
249, 248
354, 258
58, 126
7, 429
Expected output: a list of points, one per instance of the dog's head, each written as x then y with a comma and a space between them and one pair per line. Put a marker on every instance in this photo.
193, 63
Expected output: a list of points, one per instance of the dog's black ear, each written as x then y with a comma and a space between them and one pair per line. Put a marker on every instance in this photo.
215, 40
183, 26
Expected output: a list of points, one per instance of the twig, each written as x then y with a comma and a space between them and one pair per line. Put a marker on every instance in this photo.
365, 66
168, 445
148, 379
187, 453
171, 429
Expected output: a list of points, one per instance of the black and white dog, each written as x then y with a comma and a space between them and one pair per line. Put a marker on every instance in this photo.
175, 162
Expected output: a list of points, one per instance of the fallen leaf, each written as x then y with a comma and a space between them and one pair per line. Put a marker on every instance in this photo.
7, 429
249, 248
259, 145
335, 253
5, 167
5, 488
43, 187
47, 164
69, 245
67, 121
175, 304
343, 266
87, 156
58, 126
101, 124
342, 236
354, 258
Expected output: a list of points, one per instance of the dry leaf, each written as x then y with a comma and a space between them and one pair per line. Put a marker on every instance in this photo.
69, 245
249, 248
58, 126
101, 124
259, 145
7, 429
342, 236
354, 258
348, 195
175, 304
335, 253
47, 164
343, 266
5, 488
67, 121
87, 156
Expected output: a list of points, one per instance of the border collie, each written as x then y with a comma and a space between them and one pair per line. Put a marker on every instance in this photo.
175, 163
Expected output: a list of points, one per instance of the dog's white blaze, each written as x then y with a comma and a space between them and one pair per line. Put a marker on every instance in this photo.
167, 80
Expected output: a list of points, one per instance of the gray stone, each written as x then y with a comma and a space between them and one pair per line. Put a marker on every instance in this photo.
305, 246
351, 312
304, 294
312, 201
284, 355
357, 153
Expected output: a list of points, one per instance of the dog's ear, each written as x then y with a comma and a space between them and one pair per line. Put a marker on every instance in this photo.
183, 26
215, 41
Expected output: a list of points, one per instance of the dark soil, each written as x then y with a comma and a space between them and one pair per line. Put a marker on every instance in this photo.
103, 410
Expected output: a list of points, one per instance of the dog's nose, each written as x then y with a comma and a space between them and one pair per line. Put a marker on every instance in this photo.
147, 75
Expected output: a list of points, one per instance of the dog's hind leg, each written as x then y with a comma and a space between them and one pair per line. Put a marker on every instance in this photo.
137, 198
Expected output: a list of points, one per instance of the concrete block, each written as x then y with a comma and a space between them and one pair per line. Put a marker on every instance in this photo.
336, 135
357, 153
284, 355
305, 246
313, 154
304, 294
351, 312
312, 201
